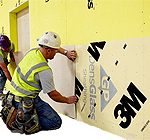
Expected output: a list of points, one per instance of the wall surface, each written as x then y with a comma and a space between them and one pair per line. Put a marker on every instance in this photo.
112, 40
78, 23
113, 89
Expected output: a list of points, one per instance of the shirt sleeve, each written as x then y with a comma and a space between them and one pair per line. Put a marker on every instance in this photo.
46, 80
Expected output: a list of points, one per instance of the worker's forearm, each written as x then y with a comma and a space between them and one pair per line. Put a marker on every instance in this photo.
7, 74
62, 51
56, 96
61, 99
6, 71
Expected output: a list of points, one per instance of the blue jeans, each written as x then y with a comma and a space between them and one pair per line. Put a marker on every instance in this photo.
48, 117
2, 80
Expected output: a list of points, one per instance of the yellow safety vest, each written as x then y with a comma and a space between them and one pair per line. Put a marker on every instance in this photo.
23, 80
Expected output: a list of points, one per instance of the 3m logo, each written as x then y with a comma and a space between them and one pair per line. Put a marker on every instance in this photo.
129, 107
107, 88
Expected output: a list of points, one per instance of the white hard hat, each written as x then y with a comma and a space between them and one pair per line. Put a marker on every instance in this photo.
50, 39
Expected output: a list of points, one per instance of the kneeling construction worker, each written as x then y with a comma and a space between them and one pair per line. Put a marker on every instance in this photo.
6, 48
23, 110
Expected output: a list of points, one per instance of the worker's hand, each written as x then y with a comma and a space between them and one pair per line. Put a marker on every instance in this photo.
72, 100
71, 55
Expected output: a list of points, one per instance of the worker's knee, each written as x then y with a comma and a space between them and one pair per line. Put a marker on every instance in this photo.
55, 123
59, 123
51, 124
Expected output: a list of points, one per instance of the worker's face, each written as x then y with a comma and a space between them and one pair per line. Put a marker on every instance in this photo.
51, 53
5, 50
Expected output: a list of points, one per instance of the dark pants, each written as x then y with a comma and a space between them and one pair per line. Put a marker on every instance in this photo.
48, 117
2, 81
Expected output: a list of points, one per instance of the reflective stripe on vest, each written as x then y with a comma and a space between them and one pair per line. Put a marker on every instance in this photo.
24, 76
28, 93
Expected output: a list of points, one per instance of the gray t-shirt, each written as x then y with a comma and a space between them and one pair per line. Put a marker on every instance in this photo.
45, 78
